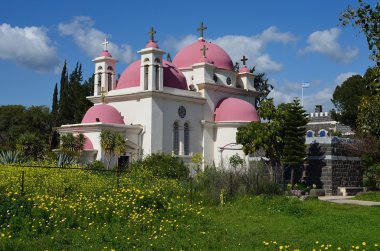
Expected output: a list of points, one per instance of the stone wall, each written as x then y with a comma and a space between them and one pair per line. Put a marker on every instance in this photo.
330, 166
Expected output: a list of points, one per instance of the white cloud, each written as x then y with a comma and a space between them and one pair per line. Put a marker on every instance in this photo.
175, 45
90, 39
343, 76
312, 96
29, 46
236, 46
325, 42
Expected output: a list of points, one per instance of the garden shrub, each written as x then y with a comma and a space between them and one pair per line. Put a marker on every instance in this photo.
164, 166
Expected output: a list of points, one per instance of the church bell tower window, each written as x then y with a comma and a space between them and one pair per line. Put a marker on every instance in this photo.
109, 81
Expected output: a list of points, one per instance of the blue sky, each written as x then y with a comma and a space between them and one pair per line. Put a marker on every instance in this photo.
290, 40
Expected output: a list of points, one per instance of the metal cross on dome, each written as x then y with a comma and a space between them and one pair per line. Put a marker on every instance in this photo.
201, 29
151, 34
105, 44
204, 49
244, 60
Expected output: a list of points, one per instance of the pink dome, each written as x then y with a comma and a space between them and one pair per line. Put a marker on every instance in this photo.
172, 76
233, 109
191, 54
244, 70
151, 44
103, 113
105, 54
87, 144
205, 60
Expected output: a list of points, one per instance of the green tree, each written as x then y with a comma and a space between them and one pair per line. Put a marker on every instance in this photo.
280, 132
16, 120
346, 99
263, 86
294, 128
366, 18
267, 136
113, 145
72, 144
31, 146
369, 115
54, 106
64, 113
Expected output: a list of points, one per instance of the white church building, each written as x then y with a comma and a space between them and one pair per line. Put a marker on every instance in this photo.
193, 104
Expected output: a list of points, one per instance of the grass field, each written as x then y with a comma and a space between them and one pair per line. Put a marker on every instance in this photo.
371, 196
82, 210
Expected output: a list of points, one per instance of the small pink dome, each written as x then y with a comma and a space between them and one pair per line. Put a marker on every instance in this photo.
151, 44
190, 55
233, 109
87, 144
244, 70
172, 76
105, 53
103, 113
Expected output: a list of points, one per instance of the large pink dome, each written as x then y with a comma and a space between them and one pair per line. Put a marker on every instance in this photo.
233, 109
172, 76
191, 54
103, 113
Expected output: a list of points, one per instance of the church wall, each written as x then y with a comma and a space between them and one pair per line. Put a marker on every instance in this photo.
194, 114
223, 137
208, 145
138, 112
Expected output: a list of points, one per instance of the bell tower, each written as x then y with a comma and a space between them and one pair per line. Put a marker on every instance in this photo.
104, 76
151, 71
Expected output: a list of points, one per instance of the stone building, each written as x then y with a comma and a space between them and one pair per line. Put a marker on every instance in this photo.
329, 165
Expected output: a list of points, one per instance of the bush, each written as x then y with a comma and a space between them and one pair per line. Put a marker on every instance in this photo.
372, 177
233, 183
97, 165
10, 157
164, 166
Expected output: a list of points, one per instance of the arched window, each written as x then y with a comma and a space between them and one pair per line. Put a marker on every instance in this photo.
110, 68
157, 60
186, 131
157, 76
310, 134
322, 133
99, 83
175, 138
109, 81
146, 75
100, 68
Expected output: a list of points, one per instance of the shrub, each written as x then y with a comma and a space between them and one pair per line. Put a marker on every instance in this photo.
97, 165
372, 177
64, 159
10, 157
163, 165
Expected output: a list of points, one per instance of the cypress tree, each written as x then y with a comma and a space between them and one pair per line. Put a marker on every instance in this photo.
64, 101
54, 106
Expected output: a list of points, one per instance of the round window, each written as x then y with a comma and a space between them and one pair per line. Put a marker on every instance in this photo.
228, 81
182, 111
